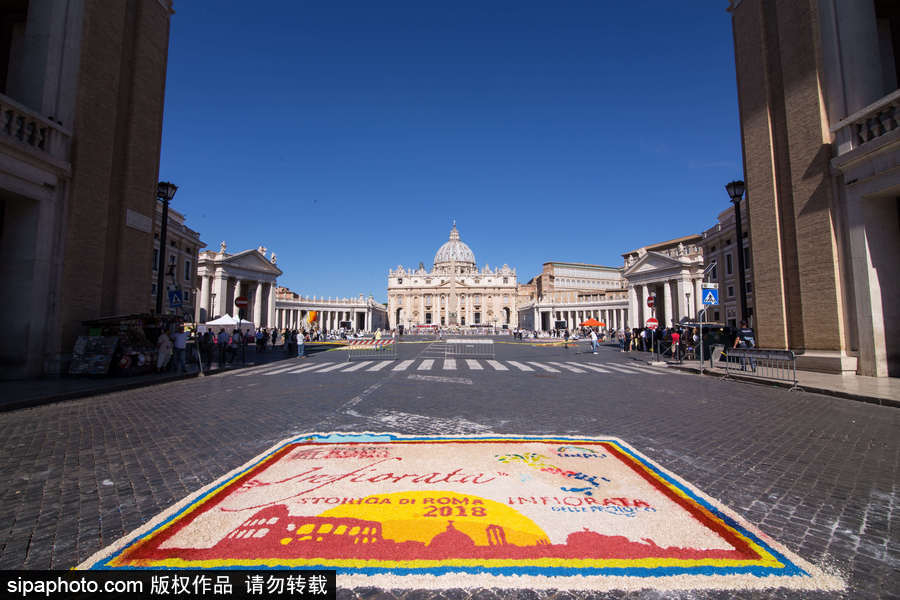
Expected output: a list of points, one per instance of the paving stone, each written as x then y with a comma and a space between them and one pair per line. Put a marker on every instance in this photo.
817, 473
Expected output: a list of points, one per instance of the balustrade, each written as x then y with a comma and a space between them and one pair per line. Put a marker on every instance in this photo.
868, 124
32, 130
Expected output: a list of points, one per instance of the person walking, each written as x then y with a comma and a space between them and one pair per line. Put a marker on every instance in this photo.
594, 341
206, 347
180, 345
274, 337
745, 339
676, 345
163, 350
566, 335
222, 343
301, 347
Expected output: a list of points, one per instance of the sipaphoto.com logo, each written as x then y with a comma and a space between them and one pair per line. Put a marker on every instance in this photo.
34, 584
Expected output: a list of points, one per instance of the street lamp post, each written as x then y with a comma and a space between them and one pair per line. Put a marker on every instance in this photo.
735, 191
165, 191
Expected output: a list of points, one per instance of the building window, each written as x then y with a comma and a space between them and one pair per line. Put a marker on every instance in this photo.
399, 280
731, 291
746, 258
428, 318
156, 259
506, 280
714, 275
713, 249
187, 270
428, 300
187, 296
173, 243
477, 318
153, 290
749, 287
715, 315
400, 300
728, 268
171, 259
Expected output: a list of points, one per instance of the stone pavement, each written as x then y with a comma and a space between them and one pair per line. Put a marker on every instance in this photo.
24, 393
877, 390
817, 473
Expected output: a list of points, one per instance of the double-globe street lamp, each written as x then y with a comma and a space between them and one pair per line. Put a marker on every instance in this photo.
165, 191
735, 191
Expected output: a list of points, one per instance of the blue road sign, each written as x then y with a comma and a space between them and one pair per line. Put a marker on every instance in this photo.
710, 296
175, 298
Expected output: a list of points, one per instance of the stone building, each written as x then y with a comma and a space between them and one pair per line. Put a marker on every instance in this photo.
572, 293
182, 257
819, 102
81, 104
672, 271
295, 311
720, 245
453, 292
225, 277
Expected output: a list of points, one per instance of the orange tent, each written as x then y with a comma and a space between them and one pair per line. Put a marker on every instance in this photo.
592, 322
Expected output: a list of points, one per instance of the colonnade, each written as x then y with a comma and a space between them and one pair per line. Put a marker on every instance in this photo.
297, 317
218, 293
675, 299
612, 317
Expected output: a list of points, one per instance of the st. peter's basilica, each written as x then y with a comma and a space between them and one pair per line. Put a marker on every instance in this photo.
454, 292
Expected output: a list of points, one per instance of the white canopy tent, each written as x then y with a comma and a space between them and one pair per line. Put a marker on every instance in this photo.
227, 322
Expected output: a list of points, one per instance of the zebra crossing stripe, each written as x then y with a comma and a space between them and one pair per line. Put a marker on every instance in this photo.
631, 368
331, 368
403, 365
426, 365
449, 364
567, 367
305, 368
520, 366
258, 370
474, 364
281, 370
498, 366
379, 366
593, 368
616, 368
544, 367
356, 367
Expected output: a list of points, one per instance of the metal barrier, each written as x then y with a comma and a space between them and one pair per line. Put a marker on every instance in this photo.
460, 348
368, 349
780, 365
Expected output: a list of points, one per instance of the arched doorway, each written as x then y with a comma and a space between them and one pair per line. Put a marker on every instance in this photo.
506, 315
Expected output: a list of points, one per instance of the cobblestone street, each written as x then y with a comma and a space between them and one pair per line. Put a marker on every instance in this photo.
816, 473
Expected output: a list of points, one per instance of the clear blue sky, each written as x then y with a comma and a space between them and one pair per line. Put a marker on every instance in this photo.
346, 136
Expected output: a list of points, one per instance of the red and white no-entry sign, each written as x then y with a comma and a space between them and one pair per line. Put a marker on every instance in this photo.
652, 323
651, 301
241, 302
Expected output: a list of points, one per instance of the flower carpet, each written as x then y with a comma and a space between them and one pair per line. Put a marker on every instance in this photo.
400, 511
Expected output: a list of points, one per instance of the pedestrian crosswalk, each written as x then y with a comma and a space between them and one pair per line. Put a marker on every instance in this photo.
451, 364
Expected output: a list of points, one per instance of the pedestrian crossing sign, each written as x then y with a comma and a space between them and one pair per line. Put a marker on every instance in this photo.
710, 296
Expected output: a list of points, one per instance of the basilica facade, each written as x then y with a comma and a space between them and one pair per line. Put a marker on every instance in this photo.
454, 292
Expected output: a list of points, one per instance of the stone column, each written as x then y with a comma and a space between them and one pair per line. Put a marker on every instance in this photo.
257, 304
220, 288
667, 303
203, 304
632, 306
645, 293
698, 294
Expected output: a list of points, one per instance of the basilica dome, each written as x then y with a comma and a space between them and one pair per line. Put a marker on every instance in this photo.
454, 250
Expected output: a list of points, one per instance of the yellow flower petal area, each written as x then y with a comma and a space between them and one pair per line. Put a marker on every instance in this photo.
419, 516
